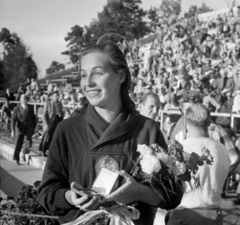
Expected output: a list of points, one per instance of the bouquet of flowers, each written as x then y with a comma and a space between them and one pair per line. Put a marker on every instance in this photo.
155, 165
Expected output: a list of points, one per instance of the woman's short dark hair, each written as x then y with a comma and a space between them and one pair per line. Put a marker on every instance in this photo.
119, 65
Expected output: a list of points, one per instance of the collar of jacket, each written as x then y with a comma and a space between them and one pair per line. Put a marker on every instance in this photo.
121, 125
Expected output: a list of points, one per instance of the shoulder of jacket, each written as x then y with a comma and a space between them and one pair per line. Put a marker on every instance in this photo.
72, 122
146, 120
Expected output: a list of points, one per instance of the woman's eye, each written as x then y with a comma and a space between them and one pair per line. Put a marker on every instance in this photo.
97, 73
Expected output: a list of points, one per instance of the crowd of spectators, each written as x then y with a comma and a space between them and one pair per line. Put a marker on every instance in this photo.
189, 55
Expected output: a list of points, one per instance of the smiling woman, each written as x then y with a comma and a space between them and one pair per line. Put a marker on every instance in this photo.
104, 134
105, 79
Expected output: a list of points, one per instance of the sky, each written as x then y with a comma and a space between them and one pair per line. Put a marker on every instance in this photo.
43, 24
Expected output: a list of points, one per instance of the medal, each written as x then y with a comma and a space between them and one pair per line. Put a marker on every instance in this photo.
108, 163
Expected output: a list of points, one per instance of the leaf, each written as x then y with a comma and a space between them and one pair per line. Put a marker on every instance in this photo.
186, 176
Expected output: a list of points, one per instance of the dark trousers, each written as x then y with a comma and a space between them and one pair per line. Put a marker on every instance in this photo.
48, 135
21, 144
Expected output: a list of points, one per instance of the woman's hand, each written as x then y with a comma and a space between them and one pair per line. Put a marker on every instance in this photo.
127, 193
132, 191
85, 203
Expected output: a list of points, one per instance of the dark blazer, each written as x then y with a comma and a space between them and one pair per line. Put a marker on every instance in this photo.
23, 118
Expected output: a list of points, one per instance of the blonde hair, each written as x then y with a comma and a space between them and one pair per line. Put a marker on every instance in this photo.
198, 115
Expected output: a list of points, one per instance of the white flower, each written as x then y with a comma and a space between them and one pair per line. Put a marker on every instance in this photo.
150, 164
186, 156
144, 150
163, 157
181, 167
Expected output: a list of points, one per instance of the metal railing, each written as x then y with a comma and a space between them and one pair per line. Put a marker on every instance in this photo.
232, 116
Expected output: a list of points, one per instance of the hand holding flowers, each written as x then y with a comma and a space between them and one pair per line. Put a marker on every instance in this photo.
156, 165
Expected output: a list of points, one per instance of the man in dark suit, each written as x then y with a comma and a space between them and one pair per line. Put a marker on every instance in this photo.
24, 119
52, 115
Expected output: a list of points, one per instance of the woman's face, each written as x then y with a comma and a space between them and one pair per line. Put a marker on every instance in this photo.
100, 84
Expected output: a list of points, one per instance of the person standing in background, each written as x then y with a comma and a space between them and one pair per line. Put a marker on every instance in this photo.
24, 119
52, 115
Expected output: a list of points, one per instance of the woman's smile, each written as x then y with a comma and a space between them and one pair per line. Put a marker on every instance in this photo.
93, 93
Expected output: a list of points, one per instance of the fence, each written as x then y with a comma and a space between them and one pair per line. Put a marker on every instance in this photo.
232, 116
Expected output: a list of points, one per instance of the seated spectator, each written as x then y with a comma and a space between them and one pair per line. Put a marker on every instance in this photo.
196, 84
163, 96
139, 87
44, 97
237, 79
66, 99
228, 80
61, 96
171, 117
187, 87
68, 87
72, 103
182, 78
33, 85
56, 88
28, 92
236, 102
210, 102
6, 114
164, 80
9, 95
150, 105
79, 94
217, 84
226, 107
49, 86
67, 114
28, 82
21, 91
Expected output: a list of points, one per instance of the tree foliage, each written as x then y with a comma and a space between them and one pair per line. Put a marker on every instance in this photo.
169, 8
16, 64
55, 67
25, 209
124, 17
195, 10
2, 78
75, 39
166, 13
153, 16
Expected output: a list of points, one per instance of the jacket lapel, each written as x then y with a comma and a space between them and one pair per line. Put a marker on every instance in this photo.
121, 125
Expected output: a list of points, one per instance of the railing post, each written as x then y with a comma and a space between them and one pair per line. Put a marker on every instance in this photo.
35, 109
161, 123
232, 122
